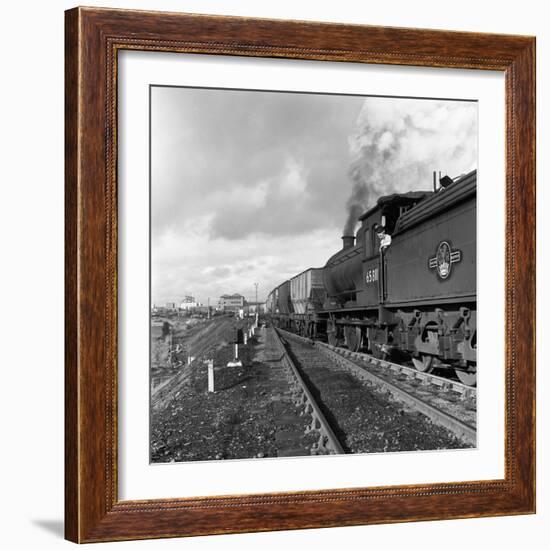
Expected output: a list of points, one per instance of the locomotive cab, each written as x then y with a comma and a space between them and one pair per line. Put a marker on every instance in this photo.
355, 277
377, 227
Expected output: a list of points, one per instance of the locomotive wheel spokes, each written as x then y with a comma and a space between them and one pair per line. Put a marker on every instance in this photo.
423, 363
353, 338
467, 378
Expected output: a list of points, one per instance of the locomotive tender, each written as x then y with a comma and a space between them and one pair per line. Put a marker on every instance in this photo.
402, 288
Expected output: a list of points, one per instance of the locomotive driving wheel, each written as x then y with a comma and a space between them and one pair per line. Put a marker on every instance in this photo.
423, 363
353, 338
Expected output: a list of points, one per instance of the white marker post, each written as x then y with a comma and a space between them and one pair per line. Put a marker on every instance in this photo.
210, 363
245, 338
236, 362
190, 359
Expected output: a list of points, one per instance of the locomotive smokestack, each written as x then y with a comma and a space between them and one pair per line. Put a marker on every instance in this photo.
348, 241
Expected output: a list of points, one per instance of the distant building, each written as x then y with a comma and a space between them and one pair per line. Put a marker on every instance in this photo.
189, 303
231, 302
170, 305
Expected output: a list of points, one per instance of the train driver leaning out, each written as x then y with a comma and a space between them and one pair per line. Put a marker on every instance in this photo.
385, 239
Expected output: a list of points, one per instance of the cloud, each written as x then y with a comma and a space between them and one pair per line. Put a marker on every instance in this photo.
257, 209
196, 264
248, 150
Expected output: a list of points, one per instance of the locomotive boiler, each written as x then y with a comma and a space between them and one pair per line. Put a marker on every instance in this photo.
403, 287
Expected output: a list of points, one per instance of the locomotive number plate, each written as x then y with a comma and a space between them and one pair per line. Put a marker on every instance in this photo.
371, 275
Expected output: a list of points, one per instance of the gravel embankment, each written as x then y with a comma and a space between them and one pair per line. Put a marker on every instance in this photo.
234, 422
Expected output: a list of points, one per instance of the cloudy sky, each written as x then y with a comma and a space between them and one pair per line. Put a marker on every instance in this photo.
252, 186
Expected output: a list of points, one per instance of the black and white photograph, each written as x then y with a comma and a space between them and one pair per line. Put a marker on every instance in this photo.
257, 249
313, 274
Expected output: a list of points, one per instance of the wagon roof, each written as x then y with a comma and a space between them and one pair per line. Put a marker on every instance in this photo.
305, 271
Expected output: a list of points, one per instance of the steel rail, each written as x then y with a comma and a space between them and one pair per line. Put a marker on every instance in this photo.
437, 416
411, 372
328, 442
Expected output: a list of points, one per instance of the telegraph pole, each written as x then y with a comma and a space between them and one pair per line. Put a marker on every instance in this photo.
256, 286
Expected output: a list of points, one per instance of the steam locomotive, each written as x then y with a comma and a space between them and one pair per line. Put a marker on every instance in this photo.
402, 288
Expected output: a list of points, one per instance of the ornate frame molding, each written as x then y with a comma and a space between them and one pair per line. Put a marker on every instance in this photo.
93, 38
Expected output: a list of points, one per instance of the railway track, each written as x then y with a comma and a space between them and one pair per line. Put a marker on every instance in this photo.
448, 405
324, 439
447, 384
211, 338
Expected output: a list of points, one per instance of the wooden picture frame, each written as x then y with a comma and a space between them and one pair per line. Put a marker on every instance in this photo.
93, 511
